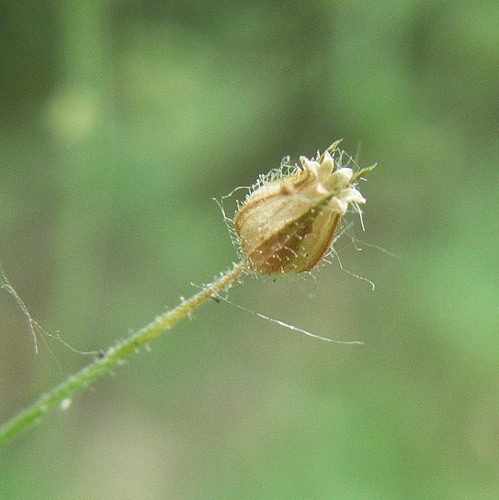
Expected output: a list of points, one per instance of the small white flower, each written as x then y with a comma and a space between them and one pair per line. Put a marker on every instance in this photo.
287, 224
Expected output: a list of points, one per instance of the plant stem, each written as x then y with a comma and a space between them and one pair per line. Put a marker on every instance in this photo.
113, 356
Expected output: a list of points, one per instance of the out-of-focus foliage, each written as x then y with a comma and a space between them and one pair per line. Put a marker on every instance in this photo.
120, 120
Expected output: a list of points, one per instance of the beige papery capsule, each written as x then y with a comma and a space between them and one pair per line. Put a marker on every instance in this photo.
286, 225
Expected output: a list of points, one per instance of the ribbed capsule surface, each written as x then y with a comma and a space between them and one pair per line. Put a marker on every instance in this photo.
287, 225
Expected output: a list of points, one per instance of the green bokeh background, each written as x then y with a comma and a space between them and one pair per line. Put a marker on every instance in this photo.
121, 120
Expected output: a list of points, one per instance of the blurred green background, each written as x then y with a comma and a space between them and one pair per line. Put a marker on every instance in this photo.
121, 120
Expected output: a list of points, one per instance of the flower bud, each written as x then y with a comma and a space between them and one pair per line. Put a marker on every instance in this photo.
288, 221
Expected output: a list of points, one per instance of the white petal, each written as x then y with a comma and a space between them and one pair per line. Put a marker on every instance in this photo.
321, 190
311, 166
327, 165
339, 179
344, 173
351, 195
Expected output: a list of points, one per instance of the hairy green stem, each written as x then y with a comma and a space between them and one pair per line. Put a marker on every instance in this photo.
113, 356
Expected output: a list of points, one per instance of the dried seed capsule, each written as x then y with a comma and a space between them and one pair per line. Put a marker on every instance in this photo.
287, 224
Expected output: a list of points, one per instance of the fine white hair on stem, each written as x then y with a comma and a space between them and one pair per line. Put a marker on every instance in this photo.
291, 327
35, 327
32, 324
282, 323
335, 253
